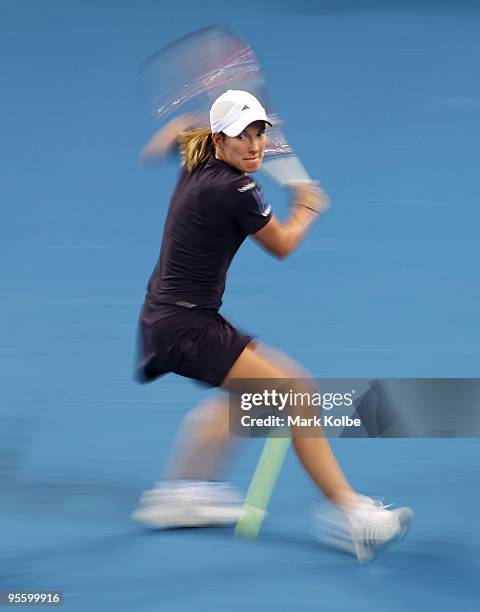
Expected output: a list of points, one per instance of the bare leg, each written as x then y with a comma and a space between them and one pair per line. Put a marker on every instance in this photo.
315, 454
202, 442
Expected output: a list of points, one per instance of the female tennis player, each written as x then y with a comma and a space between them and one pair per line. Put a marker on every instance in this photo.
215, 207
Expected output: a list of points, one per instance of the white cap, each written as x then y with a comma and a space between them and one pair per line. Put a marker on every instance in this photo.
234, 110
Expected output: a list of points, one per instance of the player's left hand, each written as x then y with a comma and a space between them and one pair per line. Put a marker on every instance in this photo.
166, 138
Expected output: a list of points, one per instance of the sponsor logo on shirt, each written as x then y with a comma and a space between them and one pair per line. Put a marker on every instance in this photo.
246, 187
267, 211
263, 208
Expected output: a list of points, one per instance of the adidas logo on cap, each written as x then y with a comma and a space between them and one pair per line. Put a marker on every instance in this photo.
245, 108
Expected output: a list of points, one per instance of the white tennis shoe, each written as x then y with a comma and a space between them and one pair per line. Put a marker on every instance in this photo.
363, 530
185, 503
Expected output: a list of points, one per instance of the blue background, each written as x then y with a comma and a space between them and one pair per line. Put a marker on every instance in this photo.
381, 100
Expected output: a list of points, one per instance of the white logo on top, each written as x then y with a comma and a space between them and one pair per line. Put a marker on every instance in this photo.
246, 187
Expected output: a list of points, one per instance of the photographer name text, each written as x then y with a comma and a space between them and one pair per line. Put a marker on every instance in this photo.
297, 421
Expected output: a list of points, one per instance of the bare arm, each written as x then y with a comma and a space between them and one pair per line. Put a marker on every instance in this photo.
281, 239
163, 141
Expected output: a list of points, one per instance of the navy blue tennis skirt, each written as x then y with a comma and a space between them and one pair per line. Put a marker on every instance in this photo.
196, 343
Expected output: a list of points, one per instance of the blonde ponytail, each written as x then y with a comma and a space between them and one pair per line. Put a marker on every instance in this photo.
195, 147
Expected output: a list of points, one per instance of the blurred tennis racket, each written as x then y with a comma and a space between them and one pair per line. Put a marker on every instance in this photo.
189, 74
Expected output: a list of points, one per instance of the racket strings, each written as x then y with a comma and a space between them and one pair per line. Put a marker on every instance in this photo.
188, 75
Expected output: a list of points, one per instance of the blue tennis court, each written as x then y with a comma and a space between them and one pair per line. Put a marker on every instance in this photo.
382, 103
